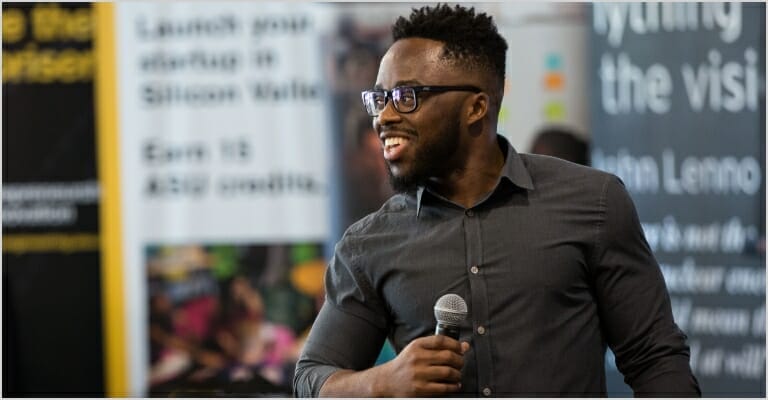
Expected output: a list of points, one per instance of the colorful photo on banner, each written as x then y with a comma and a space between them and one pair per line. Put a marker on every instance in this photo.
229, 318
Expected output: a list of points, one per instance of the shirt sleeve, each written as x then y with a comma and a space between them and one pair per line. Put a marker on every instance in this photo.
349, 330
634, 304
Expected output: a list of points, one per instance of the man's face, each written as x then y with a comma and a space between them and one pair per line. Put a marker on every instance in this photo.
425, 143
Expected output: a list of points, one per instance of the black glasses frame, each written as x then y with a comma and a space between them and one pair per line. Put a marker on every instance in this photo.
389, 94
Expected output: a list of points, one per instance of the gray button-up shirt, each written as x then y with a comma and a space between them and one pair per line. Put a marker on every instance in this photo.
553, 265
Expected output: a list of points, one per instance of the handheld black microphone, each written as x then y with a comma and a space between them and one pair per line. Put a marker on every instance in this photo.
450, 312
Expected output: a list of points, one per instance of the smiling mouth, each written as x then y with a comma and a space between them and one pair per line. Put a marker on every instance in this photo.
394, 147
393, 142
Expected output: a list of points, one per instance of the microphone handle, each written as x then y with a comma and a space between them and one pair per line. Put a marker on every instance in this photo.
451, 331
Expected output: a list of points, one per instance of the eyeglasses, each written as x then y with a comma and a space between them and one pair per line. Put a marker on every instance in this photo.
404, 98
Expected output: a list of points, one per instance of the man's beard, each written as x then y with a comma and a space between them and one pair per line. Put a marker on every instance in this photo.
431, 160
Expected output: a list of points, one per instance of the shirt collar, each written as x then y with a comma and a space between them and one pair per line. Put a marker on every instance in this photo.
514, 170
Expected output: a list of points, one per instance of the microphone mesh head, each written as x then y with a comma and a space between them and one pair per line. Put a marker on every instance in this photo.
450, 309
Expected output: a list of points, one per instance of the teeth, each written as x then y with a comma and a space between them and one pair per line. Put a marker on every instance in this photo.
394, 141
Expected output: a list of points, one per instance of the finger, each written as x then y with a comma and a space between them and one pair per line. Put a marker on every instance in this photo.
438, 388
447, 358
464, 347
440, 342
442, 374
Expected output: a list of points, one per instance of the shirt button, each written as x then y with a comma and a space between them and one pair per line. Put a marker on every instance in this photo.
470, 213
487, 392
474, 269
481, 330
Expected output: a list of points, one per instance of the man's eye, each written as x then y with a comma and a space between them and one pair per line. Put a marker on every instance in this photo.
406, 97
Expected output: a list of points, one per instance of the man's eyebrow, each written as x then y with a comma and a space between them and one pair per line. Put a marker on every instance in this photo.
411, 82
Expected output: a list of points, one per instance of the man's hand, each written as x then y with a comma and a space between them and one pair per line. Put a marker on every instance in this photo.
428, 366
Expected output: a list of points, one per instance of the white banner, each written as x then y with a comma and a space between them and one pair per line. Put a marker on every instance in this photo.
223, 127
223, 132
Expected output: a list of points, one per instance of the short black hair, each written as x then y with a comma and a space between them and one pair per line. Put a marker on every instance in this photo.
469, 38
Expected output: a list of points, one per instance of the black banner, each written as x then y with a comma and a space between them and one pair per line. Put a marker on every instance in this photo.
678, 100
51, 279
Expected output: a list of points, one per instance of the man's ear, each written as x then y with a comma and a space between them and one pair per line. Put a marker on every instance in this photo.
477, 107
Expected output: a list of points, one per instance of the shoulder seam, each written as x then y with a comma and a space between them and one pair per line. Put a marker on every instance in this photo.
602, 207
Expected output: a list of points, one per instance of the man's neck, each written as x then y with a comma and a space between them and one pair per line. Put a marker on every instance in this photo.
479, 176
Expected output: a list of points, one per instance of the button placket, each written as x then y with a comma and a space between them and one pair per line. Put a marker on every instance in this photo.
477, 285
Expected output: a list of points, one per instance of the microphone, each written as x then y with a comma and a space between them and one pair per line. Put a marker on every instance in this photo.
450, 312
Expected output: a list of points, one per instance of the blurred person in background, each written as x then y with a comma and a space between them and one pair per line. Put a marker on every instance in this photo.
561, 142
548, 254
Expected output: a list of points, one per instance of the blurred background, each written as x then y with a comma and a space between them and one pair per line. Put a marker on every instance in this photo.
176, 174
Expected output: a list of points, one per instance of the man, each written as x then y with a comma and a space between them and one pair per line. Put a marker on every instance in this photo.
549, 255
561, 142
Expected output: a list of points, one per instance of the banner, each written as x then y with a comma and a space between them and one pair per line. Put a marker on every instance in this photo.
223, 134
679, 114
51, 234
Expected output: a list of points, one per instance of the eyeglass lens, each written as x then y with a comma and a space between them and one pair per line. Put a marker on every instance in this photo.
404, 99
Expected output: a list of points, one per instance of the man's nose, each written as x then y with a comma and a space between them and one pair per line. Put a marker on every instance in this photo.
389, 114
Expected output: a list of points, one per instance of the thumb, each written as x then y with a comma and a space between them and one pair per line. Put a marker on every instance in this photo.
464, 347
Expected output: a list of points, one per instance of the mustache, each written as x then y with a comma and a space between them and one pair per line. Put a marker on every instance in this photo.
398, 129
